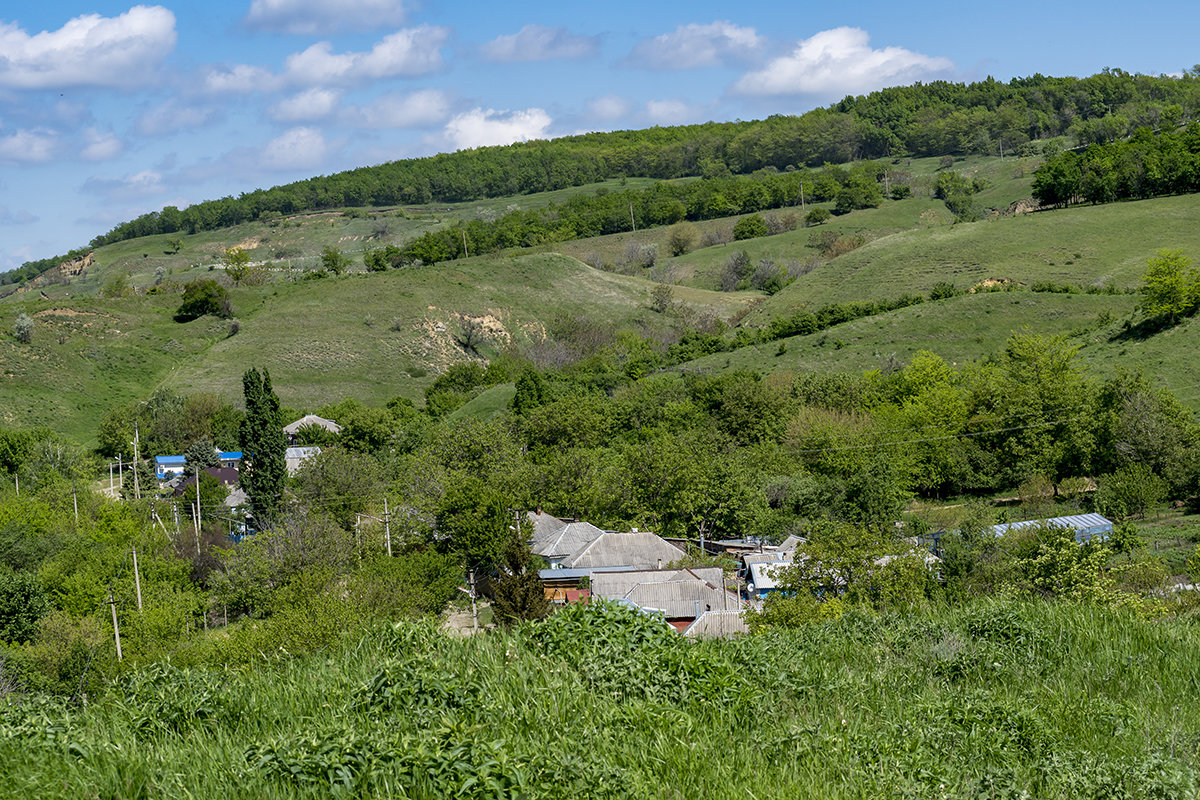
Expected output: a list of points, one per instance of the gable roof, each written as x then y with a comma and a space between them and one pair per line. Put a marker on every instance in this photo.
544, 524
1085, 525
312, 419
636, 550
724, 624
570, 538
766, 575
681, 598
618, 584
226, 475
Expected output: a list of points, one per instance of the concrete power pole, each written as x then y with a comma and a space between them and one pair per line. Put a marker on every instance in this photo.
387, 526
116, 628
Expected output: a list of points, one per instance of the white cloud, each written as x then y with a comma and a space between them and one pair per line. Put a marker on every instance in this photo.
417, 110
841, 61
308, 105
318, 17
89, 50
694, 45
298, 148
19, 217
672, 112
101, 145
173, 116
539, 43
141, 184
609, 107
239, 79
405, 53
29, 147
479, 128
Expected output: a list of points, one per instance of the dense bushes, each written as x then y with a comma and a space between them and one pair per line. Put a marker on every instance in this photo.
202, 297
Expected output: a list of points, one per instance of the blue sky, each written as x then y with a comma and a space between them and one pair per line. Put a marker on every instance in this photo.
109, 110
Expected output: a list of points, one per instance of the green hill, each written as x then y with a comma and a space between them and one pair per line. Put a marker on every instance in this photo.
367, 336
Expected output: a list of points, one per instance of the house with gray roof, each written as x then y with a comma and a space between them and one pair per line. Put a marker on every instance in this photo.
557, 545
292, 431
633, 550
618, 584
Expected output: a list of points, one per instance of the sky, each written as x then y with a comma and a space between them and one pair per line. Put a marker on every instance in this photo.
109, 110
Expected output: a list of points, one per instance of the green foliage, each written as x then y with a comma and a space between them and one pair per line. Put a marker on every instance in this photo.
204, 296
1132, 490
263, 445
1170, 289
333, 260
472, 523
817, 216
237, 264
680, 239
750, 227
516, 592
23, 602
23, 328
202, 454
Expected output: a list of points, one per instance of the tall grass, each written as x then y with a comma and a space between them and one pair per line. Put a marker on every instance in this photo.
997, 699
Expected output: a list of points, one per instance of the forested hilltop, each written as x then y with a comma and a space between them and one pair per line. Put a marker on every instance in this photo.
940, 118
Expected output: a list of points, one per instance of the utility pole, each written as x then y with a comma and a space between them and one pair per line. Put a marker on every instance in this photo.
387, 526
120, 470
137, 580
464, 233
17, 481
137, 490
75, 502
802, 196
196, 518
474, 609
116, 629
632, 221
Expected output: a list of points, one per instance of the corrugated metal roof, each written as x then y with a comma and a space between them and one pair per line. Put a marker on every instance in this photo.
766, 576
1085, 525
569, 539
312, 419
714, 624
618, 583
681, 598
544, 524
764, 558
551, 573
636, 550
170, 460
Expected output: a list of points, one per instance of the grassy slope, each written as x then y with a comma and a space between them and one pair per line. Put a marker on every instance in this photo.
993, 700
368, 336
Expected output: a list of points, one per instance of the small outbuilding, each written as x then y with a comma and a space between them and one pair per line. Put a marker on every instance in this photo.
1086, 526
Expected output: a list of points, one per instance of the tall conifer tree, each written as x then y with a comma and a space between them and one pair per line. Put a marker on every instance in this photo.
264, 448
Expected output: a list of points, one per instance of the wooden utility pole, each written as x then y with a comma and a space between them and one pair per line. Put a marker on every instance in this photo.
387, 527
75, 502
801, 196
632, 221
116, 628
137, 580
196, 518
464, 233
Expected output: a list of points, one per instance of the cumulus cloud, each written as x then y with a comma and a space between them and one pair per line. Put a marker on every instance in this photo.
539, 43
298, 148
101, 145
405, 53
141, 184
416, 110
841, 61
608, 108
29, 146
238, 79
479, 127
18, 217
308, 105
694, 45
173, 116
318, 17
90, 50
672, 112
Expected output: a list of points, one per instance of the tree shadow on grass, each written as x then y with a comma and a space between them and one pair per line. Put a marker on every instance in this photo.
1144, 329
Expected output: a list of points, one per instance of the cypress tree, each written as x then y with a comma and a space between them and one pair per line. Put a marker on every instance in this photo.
264, 448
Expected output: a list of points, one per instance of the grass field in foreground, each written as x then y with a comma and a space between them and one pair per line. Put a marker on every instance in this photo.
994, 699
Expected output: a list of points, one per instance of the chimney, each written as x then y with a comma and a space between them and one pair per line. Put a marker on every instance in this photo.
660, 563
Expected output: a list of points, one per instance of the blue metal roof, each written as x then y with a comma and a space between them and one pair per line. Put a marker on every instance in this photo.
232, 455
1085, 525
170, 460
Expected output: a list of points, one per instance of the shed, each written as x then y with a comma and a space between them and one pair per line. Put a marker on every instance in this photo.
718, 624
1086, 526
